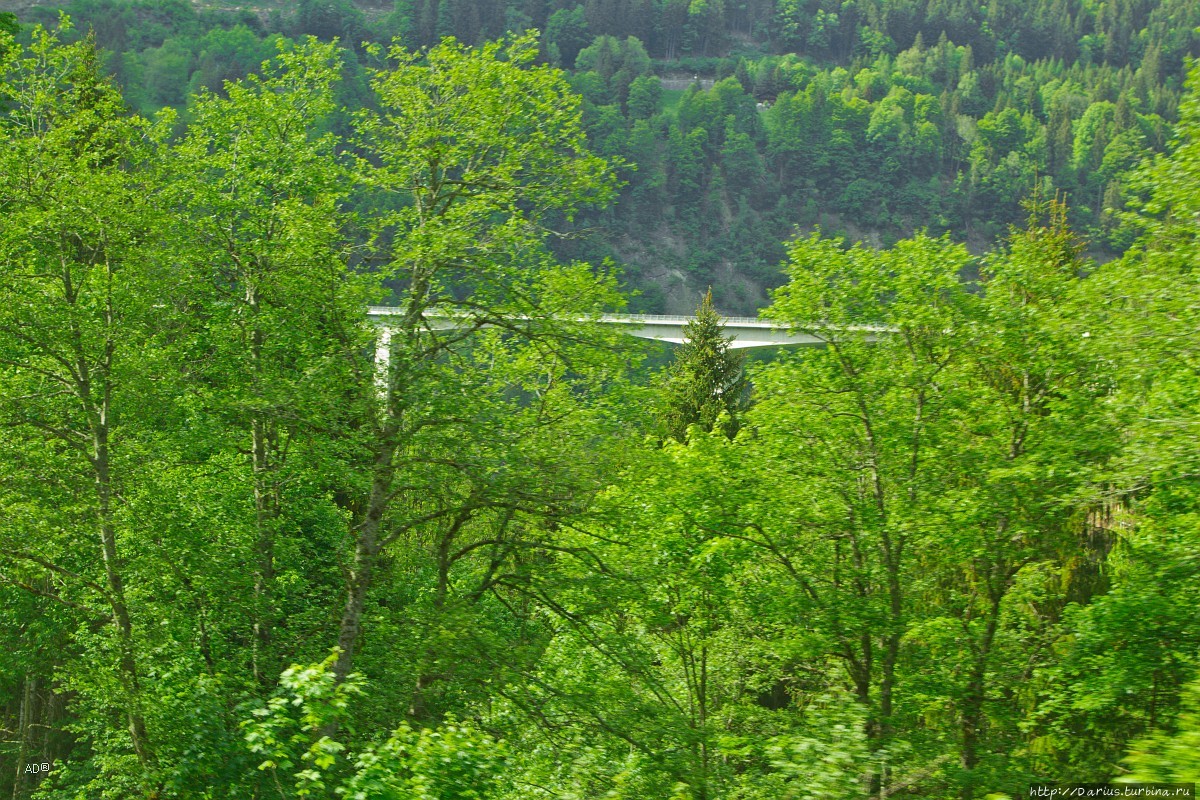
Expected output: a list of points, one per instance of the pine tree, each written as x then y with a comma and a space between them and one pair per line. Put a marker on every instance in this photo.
707, 378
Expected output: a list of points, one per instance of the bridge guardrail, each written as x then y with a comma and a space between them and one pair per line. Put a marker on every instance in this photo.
646, 319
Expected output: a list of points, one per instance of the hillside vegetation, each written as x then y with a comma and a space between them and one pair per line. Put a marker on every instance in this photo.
868, 119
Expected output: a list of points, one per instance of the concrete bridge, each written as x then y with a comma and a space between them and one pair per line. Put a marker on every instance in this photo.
745, 332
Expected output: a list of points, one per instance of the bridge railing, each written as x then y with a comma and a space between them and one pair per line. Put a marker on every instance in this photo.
682, 320
632, 319
382, 312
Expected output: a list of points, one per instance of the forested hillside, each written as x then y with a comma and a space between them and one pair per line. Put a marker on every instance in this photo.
869, 119
255, 545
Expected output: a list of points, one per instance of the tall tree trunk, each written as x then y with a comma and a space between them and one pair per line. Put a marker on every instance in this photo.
367, 537
891, 644
89, 384
266, 512
266, 503
418, 708
703, 703
116, 592
366, 550
887, 663
24, 735
973, 700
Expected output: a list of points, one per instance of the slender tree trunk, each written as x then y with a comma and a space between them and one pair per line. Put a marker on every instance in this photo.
24, 735
891, 648
887, 663
99, 413
116, 591
703, 698
976, 694
367, 539
266, 505
417, 708
266, 512
366, 550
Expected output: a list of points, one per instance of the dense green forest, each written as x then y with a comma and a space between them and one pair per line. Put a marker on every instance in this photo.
866, 118
253, 545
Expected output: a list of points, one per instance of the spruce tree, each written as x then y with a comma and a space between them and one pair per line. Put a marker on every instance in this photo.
706, 379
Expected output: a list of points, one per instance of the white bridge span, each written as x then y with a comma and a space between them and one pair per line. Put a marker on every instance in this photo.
744, 332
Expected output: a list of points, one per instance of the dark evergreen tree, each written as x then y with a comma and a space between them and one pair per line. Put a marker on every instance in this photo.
8, 23
707, 378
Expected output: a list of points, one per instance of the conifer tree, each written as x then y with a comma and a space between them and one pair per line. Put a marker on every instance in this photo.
707, 377
8, 23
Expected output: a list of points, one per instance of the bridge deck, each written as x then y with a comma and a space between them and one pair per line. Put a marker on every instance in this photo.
745, 332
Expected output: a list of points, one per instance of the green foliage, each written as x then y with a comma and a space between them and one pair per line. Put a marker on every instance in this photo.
1170, 757
289, 731
455, 761
483, 162
645, 98
566, 35
75, 242
825, 762
1141, 643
